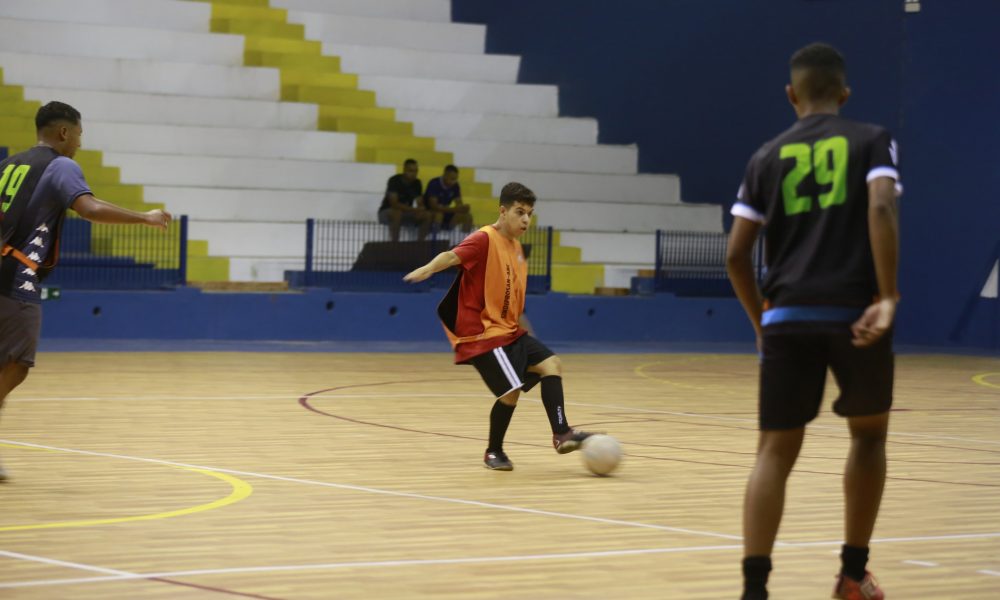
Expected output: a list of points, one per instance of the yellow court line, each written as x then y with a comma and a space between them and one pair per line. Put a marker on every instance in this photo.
240, 491
981, 380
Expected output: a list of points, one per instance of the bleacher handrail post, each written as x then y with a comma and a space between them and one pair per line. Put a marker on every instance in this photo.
310, 227
182, 252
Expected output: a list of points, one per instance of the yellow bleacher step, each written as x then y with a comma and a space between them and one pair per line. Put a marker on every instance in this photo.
284, 46
299, 77
20, 108
236, 12
122, 195
396, 156
399, 142
273, 29
328, 95
374, 113
366, 126
577, 278
207, 268
256, 58
10, 93
237, 2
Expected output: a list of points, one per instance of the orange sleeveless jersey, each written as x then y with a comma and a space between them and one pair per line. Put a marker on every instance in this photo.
483, 306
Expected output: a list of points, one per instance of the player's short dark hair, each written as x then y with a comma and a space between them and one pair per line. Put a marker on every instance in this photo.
54, 112
822, 72
516, 192
409, 161
451, 169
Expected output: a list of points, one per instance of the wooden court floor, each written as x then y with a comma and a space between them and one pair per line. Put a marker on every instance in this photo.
304, 475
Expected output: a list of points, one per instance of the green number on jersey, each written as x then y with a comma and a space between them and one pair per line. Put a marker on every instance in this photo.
827, 163
10, 183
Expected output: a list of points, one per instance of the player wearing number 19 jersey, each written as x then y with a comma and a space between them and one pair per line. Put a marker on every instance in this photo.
825, 193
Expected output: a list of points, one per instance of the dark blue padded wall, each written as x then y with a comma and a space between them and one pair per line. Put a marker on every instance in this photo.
699, 85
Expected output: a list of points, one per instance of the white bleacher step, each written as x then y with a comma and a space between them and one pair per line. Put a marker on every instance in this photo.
413, 10
160, 14
221, 141
251, 238
444, 94
501, 128
102, 41
255, 173
620, 276
140, 76
265, 205
628, 217
605, 247
590, 187
399, 33
622, 160
424, 64
166, 109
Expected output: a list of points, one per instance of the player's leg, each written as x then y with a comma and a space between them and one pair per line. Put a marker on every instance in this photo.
546, 369
424, 219
865, 378
394, 219
793, 374
501, 377
20, 326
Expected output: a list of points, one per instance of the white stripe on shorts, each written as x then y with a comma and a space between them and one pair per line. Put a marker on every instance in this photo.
508, 369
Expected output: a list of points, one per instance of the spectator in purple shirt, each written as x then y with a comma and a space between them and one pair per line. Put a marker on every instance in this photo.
444, 201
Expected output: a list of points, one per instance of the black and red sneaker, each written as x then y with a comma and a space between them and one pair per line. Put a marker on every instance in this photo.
565, 443
497, 461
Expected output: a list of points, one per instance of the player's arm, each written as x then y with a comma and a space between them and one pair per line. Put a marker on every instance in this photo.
445, 260
883, 235
433, 204
739, 266
99, 211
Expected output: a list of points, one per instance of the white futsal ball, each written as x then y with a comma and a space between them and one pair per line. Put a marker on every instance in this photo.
601, 454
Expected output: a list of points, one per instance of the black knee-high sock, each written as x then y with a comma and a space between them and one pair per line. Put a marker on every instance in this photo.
499, 420
755, 572
552, 398
853, 561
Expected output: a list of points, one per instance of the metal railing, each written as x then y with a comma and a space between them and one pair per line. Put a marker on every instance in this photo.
360, 256
693, 263
94, 256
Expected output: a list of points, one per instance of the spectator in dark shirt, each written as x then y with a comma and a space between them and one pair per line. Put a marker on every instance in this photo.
404, 202
444, 201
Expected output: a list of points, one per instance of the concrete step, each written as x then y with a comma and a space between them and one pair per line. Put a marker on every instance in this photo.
140, 76
412, 10
641, 188
501, 128
220, 141
253, 173
241, 204
463, 96
110, 42
181, 110
161, 14
424, 64
622, 160
627, 216
606, 247
398, 32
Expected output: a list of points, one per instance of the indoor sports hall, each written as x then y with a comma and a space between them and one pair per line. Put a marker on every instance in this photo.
253, 403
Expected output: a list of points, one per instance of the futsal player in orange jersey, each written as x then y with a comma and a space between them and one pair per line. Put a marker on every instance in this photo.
826, 190
483, 315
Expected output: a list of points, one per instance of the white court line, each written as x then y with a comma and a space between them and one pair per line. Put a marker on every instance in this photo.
61, 563
358, 488
921, 563
370, 564
988, 572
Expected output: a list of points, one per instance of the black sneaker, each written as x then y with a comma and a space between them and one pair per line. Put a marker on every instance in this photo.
565, 443
497, 461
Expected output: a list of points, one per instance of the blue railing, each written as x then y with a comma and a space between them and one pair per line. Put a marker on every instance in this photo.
360, 256
120, 257
693, 263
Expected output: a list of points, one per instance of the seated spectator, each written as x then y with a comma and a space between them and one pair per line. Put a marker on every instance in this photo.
444, 201
404, 203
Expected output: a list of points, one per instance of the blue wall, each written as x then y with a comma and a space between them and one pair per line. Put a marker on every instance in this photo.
699, 85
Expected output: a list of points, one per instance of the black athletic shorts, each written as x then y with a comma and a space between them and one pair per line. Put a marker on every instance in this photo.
20, 326
505, 369
793, 374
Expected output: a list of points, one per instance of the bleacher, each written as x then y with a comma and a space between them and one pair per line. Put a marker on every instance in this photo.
252, 118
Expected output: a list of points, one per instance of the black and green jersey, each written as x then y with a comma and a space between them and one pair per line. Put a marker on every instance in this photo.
809, 187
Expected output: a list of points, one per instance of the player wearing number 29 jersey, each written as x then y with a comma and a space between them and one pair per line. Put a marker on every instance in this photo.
809, 186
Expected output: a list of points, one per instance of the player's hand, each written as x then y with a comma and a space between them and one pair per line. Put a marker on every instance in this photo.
158, 218
874, 323
417, 275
